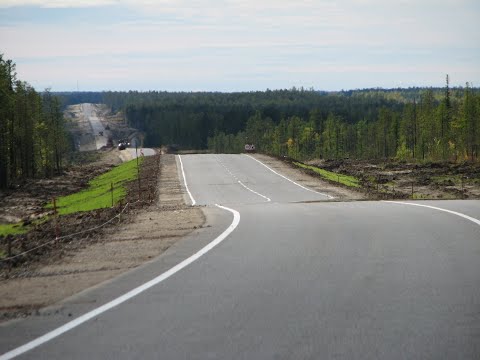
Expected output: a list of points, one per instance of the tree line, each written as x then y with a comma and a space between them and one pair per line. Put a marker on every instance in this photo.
33, 140
189, 119
425, 129
428, 124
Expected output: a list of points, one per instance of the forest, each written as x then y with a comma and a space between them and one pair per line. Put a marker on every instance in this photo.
33, 140
421, 124
414, 124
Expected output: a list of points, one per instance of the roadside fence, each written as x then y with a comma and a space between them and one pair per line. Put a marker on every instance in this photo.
106, 198
10, 257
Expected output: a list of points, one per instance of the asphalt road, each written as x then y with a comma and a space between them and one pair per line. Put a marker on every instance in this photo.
97, 126
294, 279
133, 153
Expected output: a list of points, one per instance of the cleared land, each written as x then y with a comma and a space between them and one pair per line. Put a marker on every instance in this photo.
401, 180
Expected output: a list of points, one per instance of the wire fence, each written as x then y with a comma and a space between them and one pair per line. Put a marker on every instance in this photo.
12, 258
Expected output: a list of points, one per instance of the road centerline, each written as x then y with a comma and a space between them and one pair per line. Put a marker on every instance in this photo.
241, 183
253, 191
286, 178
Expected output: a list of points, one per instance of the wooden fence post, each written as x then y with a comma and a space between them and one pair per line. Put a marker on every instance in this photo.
55, 214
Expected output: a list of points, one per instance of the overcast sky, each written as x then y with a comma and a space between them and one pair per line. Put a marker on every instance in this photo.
241, 45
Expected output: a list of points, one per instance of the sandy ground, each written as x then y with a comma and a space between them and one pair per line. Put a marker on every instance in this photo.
146, 235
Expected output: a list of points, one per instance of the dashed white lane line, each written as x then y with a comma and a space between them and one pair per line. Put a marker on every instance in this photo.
253, 191
293, 182
476, 221
96, 312
246, 187
185, 181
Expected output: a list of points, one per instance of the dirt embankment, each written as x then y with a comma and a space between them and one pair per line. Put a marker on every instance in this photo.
390, 179
25, 200
62, 268
386, 179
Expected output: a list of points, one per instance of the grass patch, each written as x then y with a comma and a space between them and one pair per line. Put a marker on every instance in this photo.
420, 196
13, 229
332, 176
446, 179
98, 194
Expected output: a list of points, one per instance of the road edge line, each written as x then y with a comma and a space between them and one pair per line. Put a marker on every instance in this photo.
185, 181
286, 178
132, 293
476, 221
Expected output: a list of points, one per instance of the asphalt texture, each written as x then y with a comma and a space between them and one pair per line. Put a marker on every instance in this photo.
298, 278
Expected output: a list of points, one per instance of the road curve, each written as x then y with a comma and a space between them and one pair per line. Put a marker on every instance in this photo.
295, 280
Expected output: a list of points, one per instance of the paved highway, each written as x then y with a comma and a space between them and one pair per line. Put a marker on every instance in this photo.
97, 126
292, 277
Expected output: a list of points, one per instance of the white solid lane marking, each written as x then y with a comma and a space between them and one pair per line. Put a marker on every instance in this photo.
476, 221
253, 191
185, 181
303, 187
80, 320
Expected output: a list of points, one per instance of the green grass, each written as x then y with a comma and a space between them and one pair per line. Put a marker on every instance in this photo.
98, 194
13, 229
332, 176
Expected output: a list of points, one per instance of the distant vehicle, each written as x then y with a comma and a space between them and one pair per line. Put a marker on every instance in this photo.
123, 144
249, 148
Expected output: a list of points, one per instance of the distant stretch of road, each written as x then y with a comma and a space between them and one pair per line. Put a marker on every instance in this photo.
100, 136
98, 129
140, 152
290, 274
